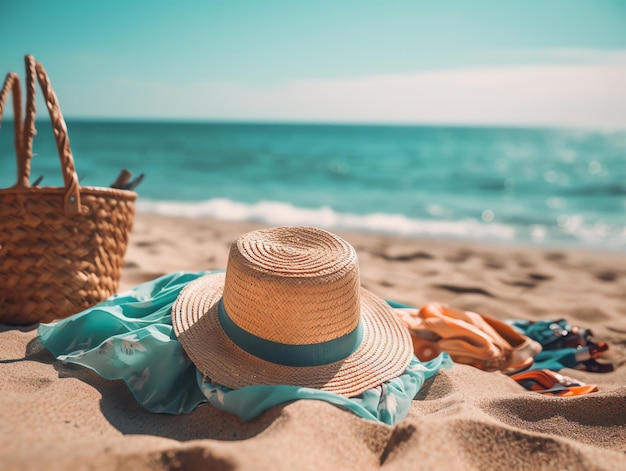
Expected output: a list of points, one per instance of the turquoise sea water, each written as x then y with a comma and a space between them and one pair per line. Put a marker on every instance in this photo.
547, 187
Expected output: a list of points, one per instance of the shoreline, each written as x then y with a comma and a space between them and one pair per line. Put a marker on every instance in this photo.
472, 230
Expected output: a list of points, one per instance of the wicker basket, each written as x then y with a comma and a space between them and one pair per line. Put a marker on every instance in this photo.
61, 248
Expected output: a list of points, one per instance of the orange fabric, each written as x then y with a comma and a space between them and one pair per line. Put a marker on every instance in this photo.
469, 337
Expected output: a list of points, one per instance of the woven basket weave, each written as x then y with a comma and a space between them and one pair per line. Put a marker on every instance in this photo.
61, 248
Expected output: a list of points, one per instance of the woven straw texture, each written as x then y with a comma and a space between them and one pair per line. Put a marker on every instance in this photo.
294, 286
61, 248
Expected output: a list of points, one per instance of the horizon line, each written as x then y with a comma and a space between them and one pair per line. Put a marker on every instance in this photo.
296, 122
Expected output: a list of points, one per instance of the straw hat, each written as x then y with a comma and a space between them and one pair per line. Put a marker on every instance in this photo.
290, 310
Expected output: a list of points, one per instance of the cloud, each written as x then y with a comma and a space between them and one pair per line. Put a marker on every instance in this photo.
589, 92
557, 56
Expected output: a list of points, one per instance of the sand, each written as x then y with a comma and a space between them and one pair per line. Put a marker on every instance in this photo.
55, 416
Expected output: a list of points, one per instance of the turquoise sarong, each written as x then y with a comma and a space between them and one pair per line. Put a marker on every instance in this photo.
130, 337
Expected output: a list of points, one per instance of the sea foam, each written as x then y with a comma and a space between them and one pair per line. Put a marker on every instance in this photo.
598, 236
279, 213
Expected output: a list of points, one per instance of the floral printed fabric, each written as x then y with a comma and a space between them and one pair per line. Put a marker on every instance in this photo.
130, 337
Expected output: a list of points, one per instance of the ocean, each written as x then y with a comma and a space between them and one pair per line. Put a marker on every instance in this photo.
546, 187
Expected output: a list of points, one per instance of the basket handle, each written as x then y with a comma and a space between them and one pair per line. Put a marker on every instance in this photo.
59, 128
12, 85
28, 126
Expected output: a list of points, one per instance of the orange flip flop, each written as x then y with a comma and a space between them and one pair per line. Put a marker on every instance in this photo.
551, 383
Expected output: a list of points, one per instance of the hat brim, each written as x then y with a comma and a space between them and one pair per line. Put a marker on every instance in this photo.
384, 353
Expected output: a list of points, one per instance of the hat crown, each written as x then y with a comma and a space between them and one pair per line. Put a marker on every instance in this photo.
293, 285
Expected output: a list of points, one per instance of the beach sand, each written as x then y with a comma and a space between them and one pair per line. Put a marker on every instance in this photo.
55, 416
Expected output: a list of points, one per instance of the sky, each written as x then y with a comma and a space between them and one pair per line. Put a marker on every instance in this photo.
452, 62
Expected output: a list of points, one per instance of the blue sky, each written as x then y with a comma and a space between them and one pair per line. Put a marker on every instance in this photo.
557, 63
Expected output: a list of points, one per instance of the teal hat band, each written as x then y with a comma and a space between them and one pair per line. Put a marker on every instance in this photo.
315, 354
